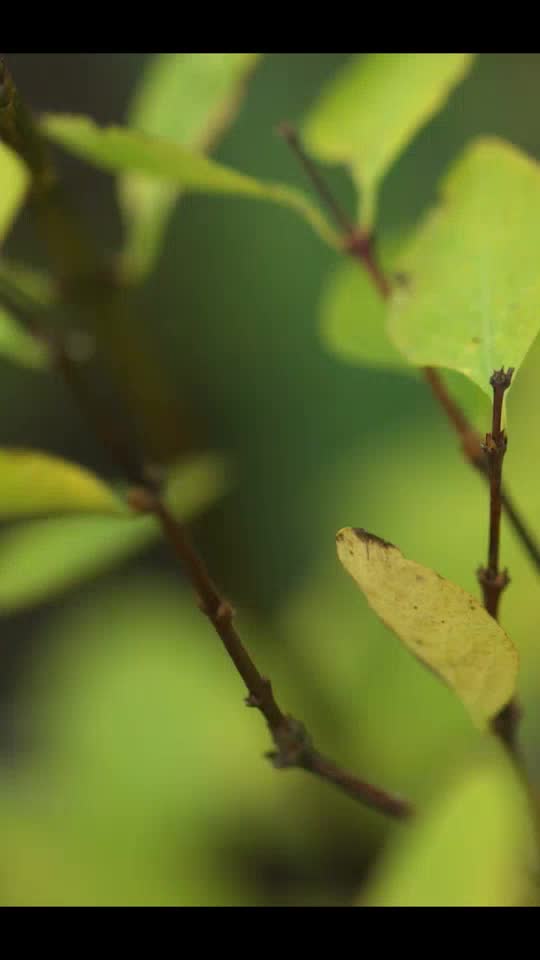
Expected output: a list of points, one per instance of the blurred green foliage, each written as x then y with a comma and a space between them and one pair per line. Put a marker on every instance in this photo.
144, 781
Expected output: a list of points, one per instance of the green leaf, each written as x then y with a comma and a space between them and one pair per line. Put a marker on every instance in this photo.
194, 483
354, 316
25, 286
14, 180
353, 320
190, 98
438, 622
41, 559
473, 298
18, 345
473, 848
374, 107
119, 150
35, 483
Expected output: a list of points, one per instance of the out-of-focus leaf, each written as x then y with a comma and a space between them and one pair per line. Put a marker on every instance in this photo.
25, 285
374, 107
120, 150
443, 626
148, 763
195, 483
14, 180
354, 315
190, 98
18, 345
473, 848
42, 559
33, 483
473, 298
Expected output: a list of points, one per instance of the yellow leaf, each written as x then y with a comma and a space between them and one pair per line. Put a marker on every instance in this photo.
34, 484
446, 628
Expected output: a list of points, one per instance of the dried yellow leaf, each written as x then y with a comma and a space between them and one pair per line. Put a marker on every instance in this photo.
445, 627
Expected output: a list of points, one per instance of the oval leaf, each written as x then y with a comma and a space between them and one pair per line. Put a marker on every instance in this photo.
373, 108
190, 98
443, 626
35, 483
120, 150
354, 315
473, 848
195, 483
473, 298
353, 320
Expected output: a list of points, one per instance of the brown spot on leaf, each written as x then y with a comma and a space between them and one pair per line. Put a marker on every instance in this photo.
366, 537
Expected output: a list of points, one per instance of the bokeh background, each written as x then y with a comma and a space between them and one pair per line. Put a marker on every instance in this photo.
130, 770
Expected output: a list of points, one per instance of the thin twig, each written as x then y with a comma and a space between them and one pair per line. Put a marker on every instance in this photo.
493, 580
87, 283
76, 267
123, 454
360, 245
293, 745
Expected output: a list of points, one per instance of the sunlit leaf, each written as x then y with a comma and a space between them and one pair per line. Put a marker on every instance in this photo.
472, 302
373, 108
120, 150
190, 98
41, 559
473, 848
443, 626
34, 483
14, 180
18, 345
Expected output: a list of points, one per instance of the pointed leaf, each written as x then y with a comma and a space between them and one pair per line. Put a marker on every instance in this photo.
374, 107
473, 298
443, 626
473, 848
190, 98
14, 180
41, 559
34, 483
120, 150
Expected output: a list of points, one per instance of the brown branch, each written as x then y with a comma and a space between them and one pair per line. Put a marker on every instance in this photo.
88, 285
293, 746
123, 454
80, 272
493, 580
360, 246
